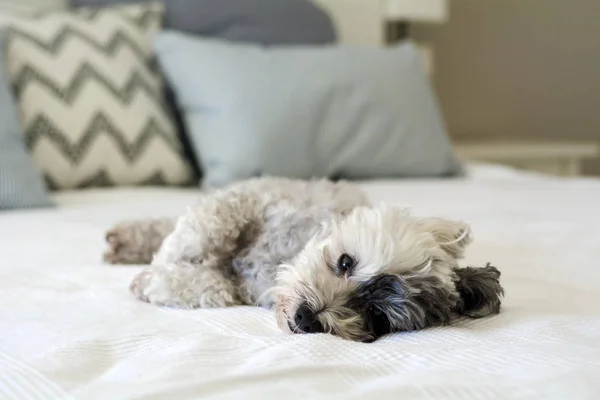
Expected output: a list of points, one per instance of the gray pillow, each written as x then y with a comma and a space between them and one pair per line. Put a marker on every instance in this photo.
258, 21
21, 184
306, 111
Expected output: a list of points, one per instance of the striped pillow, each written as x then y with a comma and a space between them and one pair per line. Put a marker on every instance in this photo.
91, 97
21, 184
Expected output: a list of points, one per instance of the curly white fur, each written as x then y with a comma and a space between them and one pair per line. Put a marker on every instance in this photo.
279, 242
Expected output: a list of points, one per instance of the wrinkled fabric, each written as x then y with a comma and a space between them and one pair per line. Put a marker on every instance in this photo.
69, 328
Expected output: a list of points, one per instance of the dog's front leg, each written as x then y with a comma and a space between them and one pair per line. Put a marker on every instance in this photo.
193, 266
185, 285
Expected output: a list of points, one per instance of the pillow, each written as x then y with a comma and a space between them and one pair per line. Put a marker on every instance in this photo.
21, 185
258, 21
306, 111
91, 99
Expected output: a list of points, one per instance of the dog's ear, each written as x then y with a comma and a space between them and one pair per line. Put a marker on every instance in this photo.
452, 236
480, 291
391, 303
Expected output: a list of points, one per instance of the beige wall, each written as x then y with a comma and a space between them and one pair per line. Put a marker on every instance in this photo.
519, 68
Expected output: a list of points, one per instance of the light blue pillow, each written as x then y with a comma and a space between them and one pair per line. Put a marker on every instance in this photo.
21, 184
306, 111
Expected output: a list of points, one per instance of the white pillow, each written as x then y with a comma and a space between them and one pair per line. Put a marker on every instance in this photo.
32, 6
91, 99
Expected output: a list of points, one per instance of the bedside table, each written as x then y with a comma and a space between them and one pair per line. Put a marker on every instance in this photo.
562, 158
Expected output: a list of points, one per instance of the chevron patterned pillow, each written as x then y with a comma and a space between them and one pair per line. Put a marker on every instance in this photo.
91, 97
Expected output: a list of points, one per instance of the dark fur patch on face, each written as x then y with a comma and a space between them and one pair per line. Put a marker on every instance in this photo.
436, 301
371, 301
480, 291
391, 303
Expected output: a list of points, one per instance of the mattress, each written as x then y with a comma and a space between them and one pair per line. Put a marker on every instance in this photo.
69, 328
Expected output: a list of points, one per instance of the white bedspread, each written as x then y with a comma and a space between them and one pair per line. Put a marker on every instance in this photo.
69, 329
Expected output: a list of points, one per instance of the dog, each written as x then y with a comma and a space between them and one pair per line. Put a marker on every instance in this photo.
317, 251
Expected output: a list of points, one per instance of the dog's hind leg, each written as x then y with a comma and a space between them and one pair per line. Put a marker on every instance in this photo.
136, 241
480, 291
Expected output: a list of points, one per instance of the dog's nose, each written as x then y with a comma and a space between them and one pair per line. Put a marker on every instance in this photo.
306, 320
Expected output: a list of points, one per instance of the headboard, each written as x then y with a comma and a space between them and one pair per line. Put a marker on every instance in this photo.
364, 22
357, 21
368, 22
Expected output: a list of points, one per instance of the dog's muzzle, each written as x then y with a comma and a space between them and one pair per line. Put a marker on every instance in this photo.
306, 321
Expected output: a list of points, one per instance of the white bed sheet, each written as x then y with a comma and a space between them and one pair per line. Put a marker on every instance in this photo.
69, 329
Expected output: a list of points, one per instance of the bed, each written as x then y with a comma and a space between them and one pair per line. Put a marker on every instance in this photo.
69, 328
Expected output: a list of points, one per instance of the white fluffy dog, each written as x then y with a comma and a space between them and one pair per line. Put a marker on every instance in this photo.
318, 251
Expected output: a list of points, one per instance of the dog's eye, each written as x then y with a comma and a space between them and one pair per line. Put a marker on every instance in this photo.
345, 263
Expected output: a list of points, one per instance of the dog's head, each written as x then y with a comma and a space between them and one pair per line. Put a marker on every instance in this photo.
375, 271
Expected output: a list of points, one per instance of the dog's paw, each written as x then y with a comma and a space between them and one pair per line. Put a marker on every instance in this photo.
183, 286
125, 245
140, 283
115, 244
216, 298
